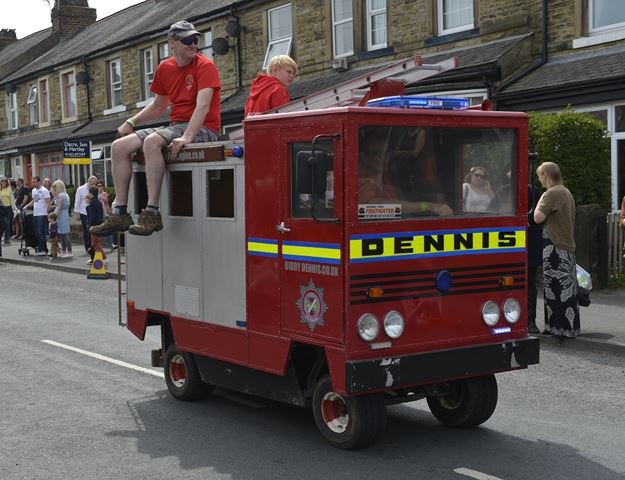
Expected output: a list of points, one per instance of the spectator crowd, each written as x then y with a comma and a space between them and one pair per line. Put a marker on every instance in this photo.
39, 216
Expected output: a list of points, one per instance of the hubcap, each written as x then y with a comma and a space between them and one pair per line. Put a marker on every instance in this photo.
334, 412
454, 399
178, 371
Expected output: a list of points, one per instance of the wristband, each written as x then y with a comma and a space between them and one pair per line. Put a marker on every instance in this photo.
131, 123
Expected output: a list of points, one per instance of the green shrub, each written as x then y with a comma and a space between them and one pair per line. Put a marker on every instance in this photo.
580, 145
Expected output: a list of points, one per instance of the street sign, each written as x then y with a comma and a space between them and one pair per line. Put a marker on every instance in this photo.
76, 152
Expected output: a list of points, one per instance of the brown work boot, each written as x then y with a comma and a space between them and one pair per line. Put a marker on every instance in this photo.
148, 223
113, 223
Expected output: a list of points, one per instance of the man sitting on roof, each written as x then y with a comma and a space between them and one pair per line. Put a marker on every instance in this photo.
191, 83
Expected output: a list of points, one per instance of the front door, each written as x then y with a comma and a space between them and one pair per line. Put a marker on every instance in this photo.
311, 238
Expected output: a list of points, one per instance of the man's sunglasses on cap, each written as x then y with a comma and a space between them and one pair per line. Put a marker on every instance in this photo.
188, 40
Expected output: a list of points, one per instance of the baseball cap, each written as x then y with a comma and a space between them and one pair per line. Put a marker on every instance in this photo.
182, 29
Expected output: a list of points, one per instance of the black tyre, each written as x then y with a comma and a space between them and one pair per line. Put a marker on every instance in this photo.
468, 403
183, 377
348, 422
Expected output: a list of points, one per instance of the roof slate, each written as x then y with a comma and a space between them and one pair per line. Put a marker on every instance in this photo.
570, 69
135, 23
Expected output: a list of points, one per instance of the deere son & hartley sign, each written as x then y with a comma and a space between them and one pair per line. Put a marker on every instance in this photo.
76, 152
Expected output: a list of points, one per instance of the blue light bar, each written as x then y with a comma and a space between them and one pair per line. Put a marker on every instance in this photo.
411, 101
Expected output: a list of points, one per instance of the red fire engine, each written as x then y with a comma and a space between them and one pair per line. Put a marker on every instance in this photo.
344, 258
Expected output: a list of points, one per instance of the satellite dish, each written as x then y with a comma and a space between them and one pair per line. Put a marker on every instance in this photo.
10, 88
233, 28
220, 45
83, 78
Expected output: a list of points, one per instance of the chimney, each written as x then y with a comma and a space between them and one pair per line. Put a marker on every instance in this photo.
69, 16
7, 36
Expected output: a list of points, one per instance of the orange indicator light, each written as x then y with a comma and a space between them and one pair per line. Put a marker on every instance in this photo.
375, 292
506, 281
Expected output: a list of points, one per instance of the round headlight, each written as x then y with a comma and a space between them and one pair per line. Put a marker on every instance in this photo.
368, 327
394, 324
512, 310
490, 313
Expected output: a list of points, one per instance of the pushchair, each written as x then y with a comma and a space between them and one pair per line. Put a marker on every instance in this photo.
28, 233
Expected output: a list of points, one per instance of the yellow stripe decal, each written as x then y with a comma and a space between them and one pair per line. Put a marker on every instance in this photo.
312, 252
262, 247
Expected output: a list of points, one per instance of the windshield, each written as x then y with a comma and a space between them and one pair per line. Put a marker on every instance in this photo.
432, 171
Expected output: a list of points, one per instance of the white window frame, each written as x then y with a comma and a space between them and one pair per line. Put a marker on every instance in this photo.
116, 91
206, 44
147, 61
43, 91
339, 23
440, 4
68, 96
278, 45
608, 33
609, 27
163, 51
12, 111
370, 13
33, 105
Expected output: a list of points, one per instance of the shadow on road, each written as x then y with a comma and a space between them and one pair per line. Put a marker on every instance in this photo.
277, 441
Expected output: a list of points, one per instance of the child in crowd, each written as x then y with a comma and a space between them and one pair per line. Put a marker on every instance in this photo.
270, 90
53, 234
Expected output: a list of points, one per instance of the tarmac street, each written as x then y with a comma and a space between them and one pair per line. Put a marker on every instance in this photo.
81, 401
602, 323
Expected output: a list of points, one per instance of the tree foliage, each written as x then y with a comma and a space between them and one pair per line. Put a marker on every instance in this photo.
580, 145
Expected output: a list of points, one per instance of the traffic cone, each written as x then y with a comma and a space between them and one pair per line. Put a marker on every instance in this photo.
98, 270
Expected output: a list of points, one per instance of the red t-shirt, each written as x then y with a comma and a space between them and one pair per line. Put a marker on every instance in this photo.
181, 85
266, 93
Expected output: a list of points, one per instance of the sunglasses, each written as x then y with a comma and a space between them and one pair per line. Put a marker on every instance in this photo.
188, 40
479, 175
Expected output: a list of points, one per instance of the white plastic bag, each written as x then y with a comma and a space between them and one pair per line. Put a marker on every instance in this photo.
583, 278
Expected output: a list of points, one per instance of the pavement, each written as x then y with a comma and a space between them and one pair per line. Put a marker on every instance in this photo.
602, 323
76, 264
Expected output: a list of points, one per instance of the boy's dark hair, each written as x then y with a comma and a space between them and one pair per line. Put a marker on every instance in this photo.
93, 191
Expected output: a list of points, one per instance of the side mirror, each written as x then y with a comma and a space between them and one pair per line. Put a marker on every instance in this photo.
311, 173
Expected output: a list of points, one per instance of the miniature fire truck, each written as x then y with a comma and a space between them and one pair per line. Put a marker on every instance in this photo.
331, 259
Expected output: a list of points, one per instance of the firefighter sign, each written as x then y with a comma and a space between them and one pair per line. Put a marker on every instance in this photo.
76, 152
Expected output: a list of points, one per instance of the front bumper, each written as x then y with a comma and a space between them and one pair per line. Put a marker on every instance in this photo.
439, 366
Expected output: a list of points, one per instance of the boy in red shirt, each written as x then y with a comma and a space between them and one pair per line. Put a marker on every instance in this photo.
270, 90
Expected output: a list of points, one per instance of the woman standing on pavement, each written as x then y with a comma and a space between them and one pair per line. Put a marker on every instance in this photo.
7, 208
62, 214
556, 209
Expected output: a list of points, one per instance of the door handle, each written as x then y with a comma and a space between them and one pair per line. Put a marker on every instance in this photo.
282, 228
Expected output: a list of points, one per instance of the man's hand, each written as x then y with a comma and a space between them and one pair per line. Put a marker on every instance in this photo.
176, 145
124, 129
441, 209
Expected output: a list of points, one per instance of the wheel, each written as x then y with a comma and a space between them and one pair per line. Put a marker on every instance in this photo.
468, 403
183, 377
348, 422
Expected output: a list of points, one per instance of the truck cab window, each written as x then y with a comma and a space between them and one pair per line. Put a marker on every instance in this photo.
406, 172
220, 193
181, 193
323, 183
